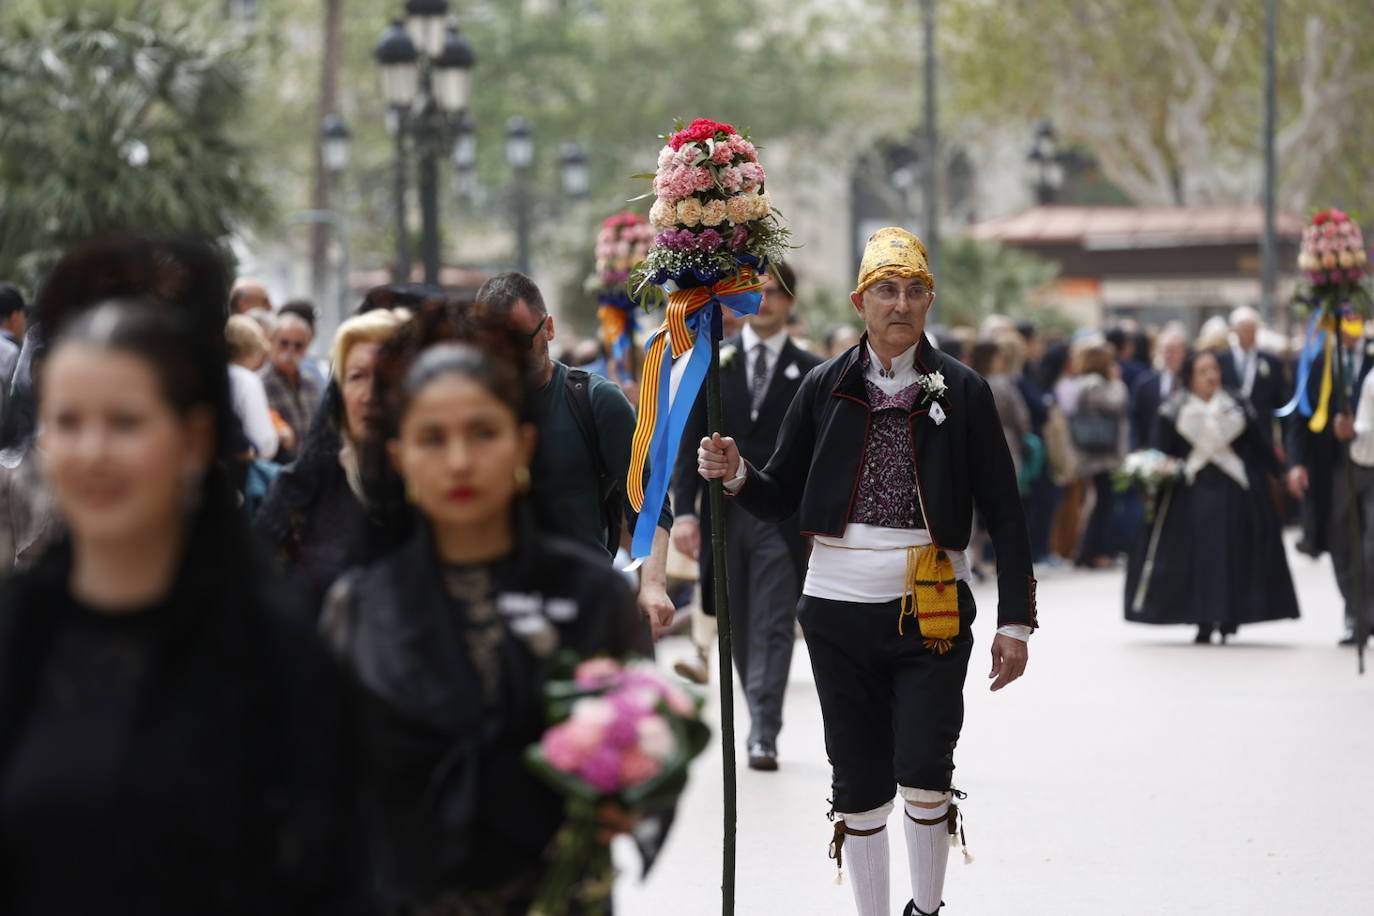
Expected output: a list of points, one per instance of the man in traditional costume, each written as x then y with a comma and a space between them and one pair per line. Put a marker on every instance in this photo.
884, 454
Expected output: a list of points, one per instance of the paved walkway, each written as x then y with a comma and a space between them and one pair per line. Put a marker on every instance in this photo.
1130, 772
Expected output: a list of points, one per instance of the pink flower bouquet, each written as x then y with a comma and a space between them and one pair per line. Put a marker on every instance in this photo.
620, 734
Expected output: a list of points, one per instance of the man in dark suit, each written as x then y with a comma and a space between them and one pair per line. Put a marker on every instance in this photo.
761, 370
1255, 374
1154, 386
1317, 473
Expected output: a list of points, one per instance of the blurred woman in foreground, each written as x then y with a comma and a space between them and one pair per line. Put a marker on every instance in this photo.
169, 742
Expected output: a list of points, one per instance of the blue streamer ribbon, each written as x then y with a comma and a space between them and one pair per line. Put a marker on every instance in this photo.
1311, 349
675, 409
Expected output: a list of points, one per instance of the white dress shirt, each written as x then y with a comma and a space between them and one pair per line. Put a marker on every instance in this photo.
1362, 447
1247, 365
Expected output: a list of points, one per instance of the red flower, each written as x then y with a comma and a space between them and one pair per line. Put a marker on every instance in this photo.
1334, 215
700, 129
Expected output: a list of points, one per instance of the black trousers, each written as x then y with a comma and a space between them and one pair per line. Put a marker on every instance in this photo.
893, 709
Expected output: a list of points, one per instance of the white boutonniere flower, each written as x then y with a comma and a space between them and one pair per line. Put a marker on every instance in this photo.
728, 354
1264, 369
933, 386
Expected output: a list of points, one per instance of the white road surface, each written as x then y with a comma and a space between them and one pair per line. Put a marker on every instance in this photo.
1130, 772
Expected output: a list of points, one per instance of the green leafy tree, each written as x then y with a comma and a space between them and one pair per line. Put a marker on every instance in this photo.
118, 120
981, 278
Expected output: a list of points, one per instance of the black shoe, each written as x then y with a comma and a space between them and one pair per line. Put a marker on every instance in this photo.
912, 911
1349, 638
763, 756
1204, 635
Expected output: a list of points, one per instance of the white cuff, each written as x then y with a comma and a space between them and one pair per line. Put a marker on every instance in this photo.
734, 484
1015, 631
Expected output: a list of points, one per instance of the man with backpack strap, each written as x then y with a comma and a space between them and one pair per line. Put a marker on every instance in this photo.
585, 427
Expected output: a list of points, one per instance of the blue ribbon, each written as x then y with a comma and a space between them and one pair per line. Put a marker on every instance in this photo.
673, 411
1311, 348
621, 348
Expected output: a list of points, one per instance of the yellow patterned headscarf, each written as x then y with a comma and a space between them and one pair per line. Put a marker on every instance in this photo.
893, 252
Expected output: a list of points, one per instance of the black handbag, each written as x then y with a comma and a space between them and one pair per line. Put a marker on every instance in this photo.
1094, 433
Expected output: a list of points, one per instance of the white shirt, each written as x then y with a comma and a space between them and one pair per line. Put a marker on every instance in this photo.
1247, 365
1362, 447
868, 564
250, 403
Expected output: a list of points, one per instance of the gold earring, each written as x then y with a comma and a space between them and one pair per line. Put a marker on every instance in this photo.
522, 479
410, 493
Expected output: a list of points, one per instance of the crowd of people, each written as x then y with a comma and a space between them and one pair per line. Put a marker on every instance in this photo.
275, 629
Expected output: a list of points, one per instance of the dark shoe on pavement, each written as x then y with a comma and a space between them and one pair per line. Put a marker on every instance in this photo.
1349, 638
912, 911
695, 671
1204, 635
763, 756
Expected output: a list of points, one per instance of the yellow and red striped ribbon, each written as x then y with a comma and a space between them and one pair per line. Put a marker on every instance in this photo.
681, 305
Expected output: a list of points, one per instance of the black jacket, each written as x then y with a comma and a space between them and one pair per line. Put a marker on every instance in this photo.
1320, 453
961, 464
756, 438
451, 805
1270, 390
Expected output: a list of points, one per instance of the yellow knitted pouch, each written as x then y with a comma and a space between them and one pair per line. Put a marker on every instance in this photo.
931, 596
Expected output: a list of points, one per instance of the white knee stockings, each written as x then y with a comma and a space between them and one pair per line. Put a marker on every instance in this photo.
860, 847
927, 850
861, 844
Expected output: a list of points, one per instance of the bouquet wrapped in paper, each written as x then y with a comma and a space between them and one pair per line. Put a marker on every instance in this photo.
620, 735
622, 242
1150, 471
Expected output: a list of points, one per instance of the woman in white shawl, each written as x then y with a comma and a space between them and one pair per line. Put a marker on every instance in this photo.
1213, 555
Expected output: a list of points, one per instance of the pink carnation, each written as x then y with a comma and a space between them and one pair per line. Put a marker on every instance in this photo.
638, 767
752, 175
596, 672
688, 155
739, 238
722, 154
743, 147
731, 179
655, 737
678, 700
622, 732
601, 769
561, 750
665, 157
684, 183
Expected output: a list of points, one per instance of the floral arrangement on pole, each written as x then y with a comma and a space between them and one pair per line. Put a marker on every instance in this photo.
621, 735
1335, 266
622, 243
716, 232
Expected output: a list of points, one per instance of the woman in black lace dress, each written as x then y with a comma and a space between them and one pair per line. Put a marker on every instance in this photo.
451, 636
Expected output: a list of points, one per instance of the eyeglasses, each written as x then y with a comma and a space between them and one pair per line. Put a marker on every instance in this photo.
888, 293
537, 328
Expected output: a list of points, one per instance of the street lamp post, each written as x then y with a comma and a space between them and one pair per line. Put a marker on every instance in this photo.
426, 79
520, 157
1046, 163
577, 179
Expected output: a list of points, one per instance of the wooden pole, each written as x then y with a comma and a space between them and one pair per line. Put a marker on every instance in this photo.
722, 603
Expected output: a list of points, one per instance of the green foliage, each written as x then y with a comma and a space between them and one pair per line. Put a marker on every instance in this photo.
117, 124
979, 278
